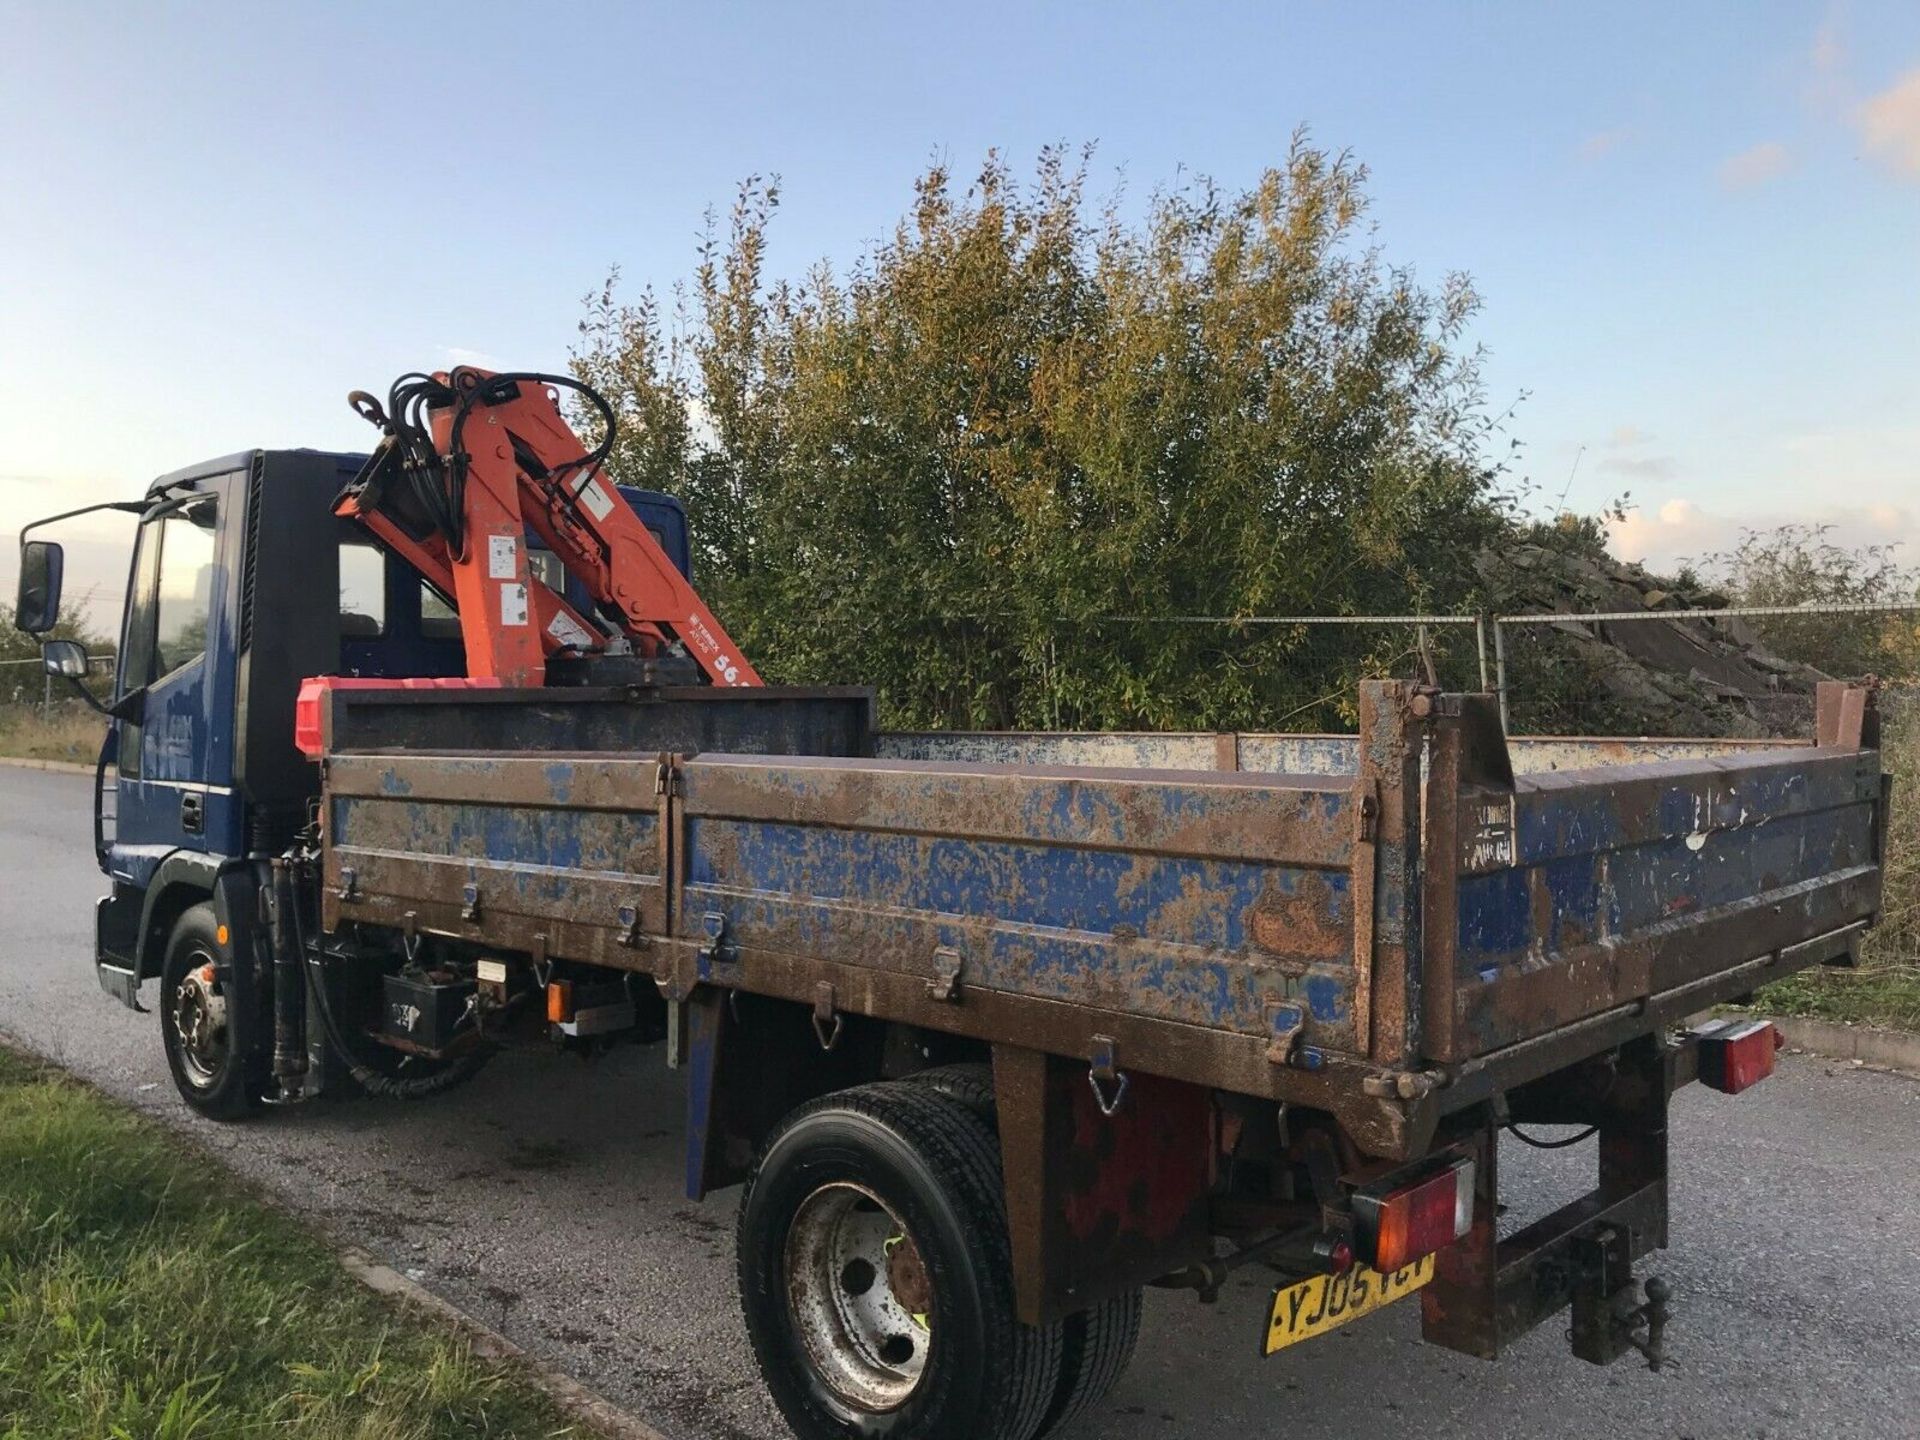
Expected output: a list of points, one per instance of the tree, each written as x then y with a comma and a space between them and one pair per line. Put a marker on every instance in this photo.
21, 678
939, 469
1800, 565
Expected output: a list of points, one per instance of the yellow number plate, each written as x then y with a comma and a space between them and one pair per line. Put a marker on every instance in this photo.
1317, 1305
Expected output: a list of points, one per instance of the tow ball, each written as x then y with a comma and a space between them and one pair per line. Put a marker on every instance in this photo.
1609, 1317
1654, 1315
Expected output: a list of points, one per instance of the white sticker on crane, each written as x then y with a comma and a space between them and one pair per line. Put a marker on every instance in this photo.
513, 604
503, 557
596, 499
570, 632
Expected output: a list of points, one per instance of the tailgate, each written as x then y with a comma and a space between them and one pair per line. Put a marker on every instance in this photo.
1552, 898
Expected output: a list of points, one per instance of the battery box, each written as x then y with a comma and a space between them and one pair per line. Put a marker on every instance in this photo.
424, 1008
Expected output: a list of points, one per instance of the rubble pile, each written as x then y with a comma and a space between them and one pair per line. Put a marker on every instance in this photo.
1687, 675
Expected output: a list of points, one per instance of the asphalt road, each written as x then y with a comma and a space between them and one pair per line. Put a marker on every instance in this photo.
545, 1197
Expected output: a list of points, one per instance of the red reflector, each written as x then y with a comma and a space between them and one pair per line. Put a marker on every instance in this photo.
1398, 1227
308, 707
306, 716
1736, 1053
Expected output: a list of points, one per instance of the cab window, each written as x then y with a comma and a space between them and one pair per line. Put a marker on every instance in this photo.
438, 619
363, 590
186, 587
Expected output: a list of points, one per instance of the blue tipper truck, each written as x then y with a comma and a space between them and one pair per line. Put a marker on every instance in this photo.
994, 1030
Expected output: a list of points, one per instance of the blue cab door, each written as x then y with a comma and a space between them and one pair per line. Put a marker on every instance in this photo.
175, 756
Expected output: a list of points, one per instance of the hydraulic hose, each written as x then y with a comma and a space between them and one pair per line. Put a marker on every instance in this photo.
390, 1087
289, 1038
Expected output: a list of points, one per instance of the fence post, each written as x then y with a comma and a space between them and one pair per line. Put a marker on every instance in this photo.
1500, 670
1480, 646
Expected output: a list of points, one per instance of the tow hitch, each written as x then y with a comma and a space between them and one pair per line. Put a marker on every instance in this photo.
1608, 1317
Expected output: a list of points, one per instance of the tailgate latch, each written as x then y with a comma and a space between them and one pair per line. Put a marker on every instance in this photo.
947, 965
1287, 1023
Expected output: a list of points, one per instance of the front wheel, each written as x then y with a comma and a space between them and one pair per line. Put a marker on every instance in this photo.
876, 1278
198, 1027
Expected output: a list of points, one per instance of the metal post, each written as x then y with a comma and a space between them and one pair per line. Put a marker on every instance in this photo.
1500, 671
1480, 646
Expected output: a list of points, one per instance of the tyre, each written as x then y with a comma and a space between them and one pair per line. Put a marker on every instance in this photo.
876, 1278
1096, 1346
970, 1083
198, 1030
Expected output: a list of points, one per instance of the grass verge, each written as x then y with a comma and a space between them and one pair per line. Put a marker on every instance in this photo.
70, 732
147, 1295
1885, 989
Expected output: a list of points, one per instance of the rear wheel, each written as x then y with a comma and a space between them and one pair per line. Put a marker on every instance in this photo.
1096, 1348
198, 1027
970, 1082
876, 1279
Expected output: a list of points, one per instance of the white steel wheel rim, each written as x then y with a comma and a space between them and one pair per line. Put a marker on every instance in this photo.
200, 1023
859, 1296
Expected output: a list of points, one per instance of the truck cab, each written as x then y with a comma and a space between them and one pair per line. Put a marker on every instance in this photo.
199, 769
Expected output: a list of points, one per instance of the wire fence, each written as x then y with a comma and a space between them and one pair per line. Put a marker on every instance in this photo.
1736, 672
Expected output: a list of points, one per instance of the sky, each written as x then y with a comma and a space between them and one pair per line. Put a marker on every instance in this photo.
1695, 228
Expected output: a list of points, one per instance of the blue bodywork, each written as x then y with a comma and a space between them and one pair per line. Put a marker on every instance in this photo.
182, 804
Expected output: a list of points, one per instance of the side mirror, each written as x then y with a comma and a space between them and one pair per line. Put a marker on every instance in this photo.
67, 658
36, 608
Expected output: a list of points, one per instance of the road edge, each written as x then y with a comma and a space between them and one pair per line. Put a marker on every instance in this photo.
573, 1398
61, 767
1866, 1044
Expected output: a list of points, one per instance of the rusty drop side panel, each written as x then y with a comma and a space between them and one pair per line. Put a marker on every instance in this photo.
1392, 942
1580, 891
1203, 899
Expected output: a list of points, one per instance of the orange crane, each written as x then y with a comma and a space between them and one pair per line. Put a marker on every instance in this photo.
472, 461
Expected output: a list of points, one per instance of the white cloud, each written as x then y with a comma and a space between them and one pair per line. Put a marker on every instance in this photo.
1604, 142
1626, 436
1890, 125
1829, 54
1640, 467
1755, 166
1828, 87
1678, 530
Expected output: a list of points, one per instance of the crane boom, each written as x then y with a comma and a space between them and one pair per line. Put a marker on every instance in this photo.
472, 461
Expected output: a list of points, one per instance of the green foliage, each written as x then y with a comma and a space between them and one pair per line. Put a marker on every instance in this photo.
1801, 565
936, 469
18, 645
1885, 989
142, 1298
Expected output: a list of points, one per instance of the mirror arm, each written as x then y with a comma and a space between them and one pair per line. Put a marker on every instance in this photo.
128, 507
92, 703
127, 707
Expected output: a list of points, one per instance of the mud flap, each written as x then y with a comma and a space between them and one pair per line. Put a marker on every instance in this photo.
1099, 1200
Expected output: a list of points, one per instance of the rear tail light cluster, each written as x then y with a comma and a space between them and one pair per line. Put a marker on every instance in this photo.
1398, 1226
1736, 1053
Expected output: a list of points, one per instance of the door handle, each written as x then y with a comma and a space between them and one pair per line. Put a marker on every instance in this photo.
192, 812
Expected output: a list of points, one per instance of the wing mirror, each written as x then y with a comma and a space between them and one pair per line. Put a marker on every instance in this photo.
69, 660
36, 607
65, 658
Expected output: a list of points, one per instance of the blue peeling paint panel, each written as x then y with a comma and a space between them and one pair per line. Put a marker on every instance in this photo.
1206, 903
